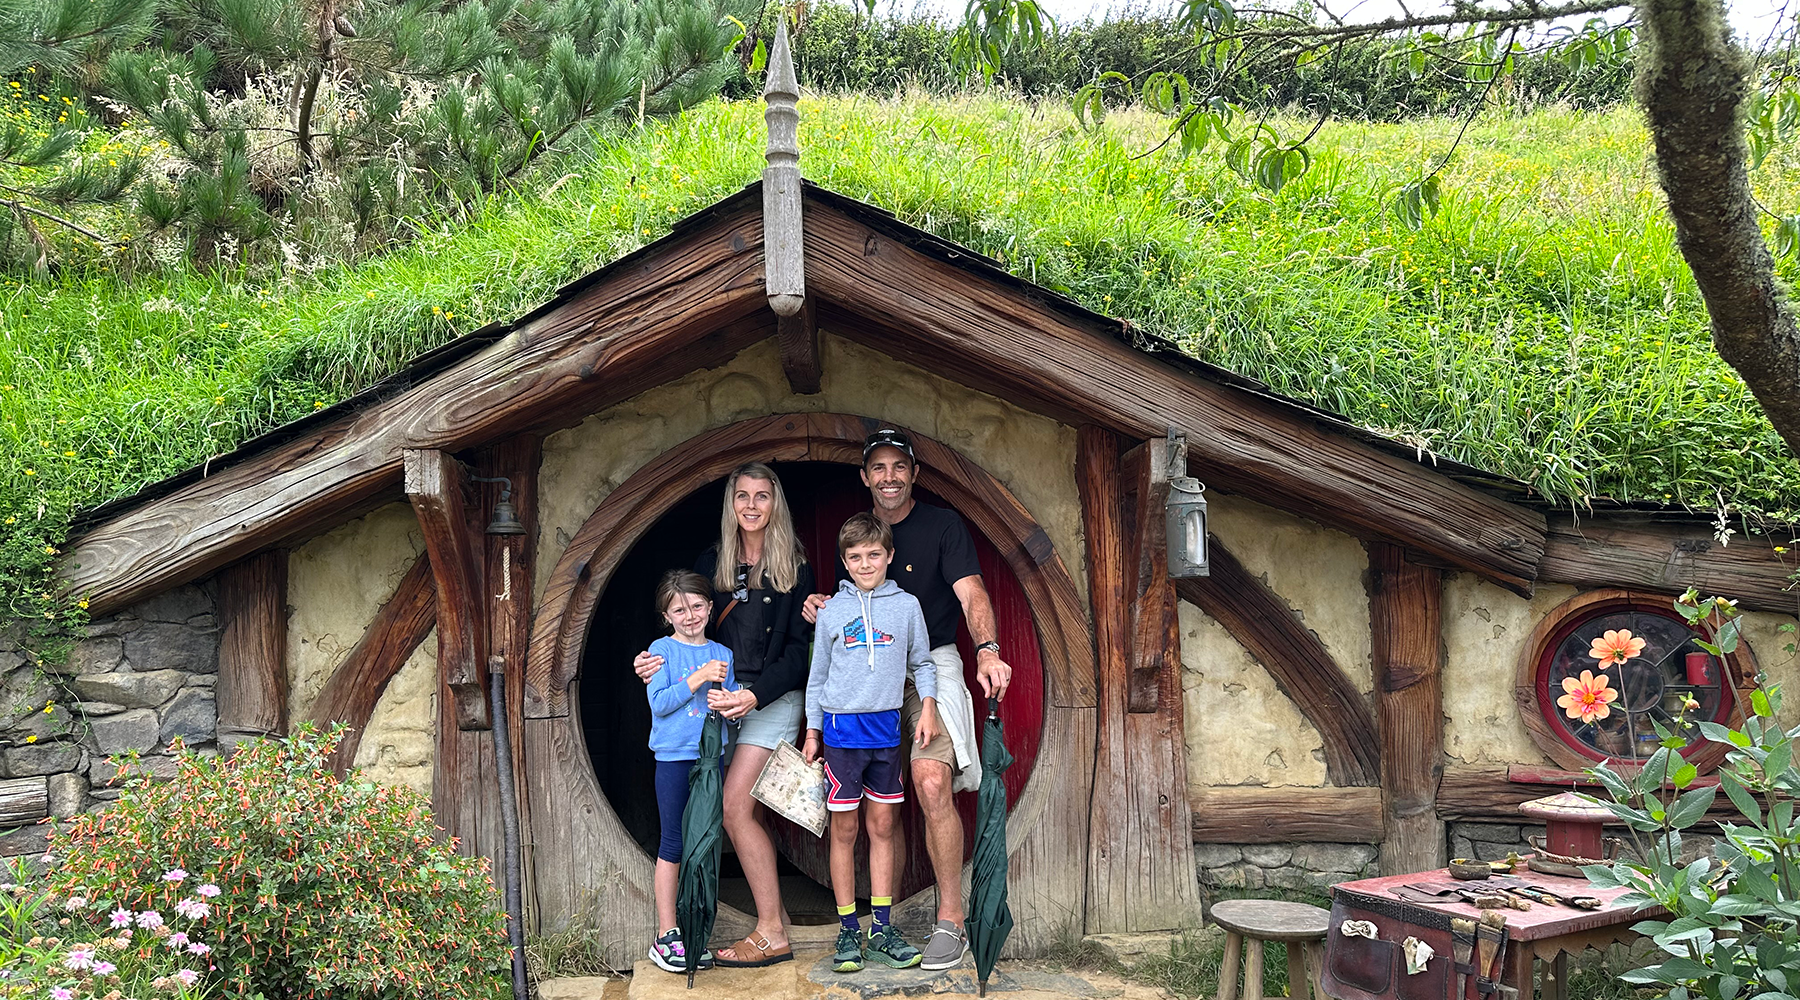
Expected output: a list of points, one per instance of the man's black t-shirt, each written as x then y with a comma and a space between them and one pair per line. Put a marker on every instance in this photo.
932, 550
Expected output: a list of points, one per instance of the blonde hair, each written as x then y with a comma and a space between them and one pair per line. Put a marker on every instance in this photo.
782, 555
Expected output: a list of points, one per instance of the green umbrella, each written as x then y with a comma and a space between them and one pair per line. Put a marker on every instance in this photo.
990, 919
697, 902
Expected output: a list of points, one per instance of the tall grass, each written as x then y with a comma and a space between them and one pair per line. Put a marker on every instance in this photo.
1542, 325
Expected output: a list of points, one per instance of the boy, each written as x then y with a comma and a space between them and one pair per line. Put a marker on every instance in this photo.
871, 636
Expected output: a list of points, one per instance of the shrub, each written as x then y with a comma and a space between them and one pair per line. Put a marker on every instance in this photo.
1734, 924
327, 888
74, 947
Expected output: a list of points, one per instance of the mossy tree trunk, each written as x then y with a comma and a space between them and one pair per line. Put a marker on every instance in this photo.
1692, 82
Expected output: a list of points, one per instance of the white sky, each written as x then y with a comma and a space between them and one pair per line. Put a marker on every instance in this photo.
1753, 19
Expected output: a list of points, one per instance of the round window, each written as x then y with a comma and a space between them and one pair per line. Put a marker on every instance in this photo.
1609, 667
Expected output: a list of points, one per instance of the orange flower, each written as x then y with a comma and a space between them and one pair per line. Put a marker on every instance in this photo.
1588, 698
1616, 647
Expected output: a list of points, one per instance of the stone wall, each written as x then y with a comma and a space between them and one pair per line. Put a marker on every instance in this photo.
139, 679
1297, 867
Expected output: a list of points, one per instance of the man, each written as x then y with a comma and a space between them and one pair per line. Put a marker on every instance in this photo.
934, 560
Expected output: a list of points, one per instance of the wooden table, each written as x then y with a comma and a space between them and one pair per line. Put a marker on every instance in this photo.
1545, 933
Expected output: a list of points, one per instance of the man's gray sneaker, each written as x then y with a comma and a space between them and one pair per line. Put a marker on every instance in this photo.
945, 948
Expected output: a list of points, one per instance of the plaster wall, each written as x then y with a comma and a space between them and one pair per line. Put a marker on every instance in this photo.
1485, 629
336, 584
1763, 632
1033, 455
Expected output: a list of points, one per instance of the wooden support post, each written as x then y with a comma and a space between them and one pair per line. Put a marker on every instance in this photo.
439, 490
509, 577
799, 337
1301, 665
1405, 618
356, 685
1156, 634
1140, 839
252, 690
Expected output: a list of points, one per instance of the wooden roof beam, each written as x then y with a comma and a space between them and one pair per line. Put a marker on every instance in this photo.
643, 321
909, 304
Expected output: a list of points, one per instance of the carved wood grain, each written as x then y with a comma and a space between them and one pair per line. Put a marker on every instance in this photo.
1406, 643
801, 361
252, 690
1670, 558
439, 489
1254, 815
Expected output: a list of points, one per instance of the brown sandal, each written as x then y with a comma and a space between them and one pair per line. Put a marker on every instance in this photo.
764, 955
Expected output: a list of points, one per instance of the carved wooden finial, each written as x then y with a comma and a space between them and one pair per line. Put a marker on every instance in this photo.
784, 271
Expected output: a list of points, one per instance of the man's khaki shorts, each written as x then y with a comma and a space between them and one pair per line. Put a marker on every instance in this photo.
950, 671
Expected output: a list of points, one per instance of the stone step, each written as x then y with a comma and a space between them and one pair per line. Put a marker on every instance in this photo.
809, 977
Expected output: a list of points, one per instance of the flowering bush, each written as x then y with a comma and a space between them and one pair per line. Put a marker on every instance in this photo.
73, 947
306, 886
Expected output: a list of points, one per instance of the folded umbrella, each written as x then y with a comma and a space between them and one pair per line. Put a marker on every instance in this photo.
697, 901
990, 919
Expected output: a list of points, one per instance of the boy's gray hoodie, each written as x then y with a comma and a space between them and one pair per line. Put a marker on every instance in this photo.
865, 647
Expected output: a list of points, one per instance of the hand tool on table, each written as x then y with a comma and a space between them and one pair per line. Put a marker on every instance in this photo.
1544, 895
1437, 893
1490, 950
1462, 953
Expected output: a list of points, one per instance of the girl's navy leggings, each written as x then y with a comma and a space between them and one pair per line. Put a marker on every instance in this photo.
671, 801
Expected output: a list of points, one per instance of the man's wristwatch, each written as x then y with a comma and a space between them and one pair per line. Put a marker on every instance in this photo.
990, 644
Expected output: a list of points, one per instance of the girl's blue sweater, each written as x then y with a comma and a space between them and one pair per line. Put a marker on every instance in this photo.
677, 714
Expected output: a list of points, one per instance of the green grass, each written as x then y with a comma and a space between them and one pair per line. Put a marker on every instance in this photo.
1541, 326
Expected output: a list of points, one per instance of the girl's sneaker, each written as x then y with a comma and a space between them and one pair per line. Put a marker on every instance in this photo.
669, 954
849, 955
890, 949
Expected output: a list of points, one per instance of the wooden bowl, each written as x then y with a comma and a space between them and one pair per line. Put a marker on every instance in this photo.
1469, 868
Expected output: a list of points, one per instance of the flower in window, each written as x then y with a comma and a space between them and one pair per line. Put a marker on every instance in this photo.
1588, 697
1616, 646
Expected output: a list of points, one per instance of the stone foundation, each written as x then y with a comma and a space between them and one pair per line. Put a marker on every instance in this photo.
140, 679
1490, 841
1300, 867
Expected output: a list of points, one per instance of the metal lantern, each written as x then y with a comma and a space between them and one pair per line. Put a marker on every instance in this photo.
1187, 528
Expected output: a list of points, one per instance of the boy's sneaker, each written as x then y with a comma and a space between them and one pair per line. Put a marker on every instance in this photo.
890, 949
669, 954
945, 948
849, 956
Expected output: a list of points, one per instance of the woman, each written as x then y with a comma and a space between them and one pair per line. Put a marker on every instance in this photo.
760, 574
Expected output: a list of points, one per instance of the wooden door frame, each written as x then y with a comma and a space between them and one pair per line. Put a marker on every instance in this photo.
577, 830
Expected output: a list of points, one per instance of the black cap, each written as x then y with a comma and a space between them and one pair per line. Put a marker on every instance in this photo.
888, 437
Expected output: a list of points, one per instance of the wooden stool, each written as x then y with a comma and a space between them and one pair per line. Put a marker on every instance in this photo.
1250, 922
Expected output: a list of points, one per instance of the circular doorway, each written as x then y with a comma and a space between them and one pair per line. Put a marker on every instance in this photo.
615, 716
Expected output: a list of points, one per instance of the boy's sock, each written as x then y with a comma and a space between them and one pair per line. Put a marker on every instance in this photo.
881, 905
847, 917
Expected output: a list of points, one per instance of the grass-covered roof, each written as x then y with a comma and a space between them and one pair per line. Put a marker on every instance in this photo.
1541, 326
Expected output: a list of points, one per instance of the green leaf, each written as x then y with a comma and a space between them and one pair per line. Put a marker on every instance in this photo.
1741, 797
1759, 703
759, 57
1684, 776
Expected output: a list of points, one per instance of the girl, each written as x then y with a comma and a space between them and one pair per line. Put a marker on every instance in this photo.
678, 711
760, 562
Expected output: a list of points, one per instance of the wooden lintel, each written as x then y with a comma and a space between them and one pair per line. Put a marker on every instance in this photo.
353, 689
1406, 643
1256, 815
1145, 472
877, 288
642, 321
1671, 558
800, 359
1301, 665
1140, 830
439, 490
252, 689
1489, 794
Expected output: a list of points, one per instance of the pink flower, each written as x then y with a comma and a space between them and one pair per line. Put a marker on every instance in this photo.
74, 903
121, 917
61, 993
104, 968
1588, 698
193, 909
1616, 646
149, 918
174, 875
199, 948
80, 957
177, 939
187, 976
208, 890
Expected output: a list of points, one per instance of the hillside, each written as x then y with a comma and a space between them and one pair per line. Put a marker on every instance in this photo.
1541, 326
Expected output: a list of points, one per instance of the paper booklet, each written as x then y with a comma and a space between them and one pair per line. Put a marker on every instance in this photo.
793, 788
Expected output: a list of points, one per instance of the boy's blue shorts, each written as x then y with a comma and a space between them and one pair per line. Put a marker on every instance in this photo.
854, 775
